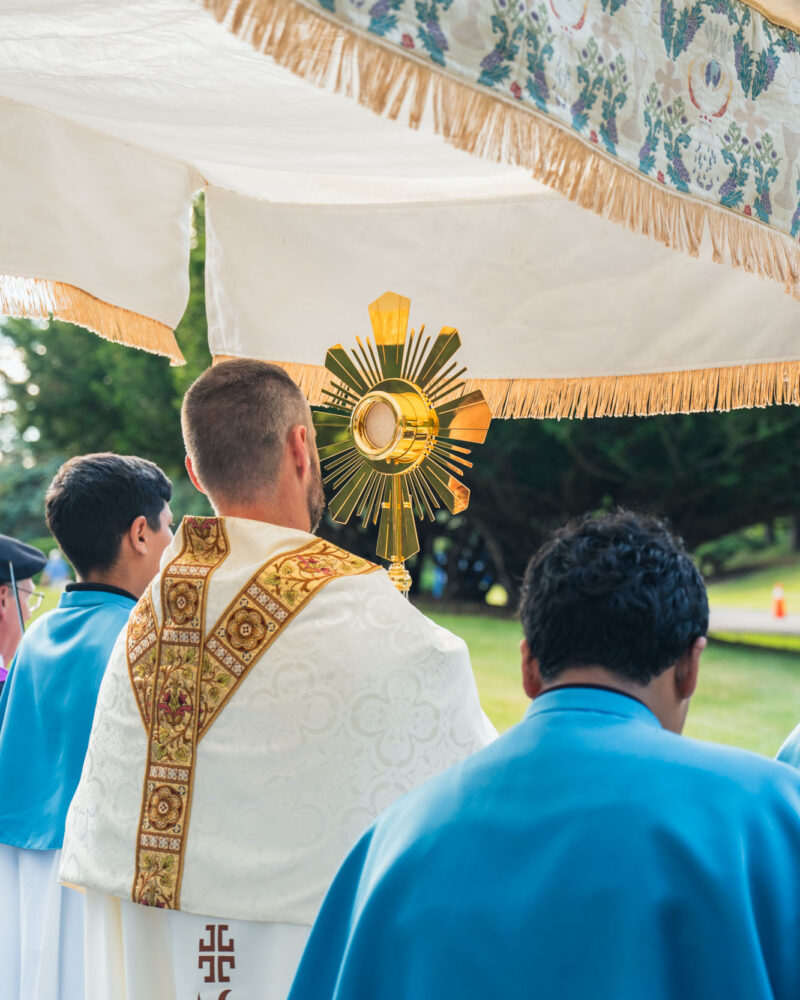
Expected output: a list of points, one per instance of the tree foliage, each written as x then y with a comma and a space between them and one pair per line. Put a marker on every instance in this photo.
709, 473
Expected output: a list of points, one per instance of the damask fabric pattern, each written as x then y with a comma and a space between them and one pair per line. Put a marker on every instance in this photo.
359, 699
701, 96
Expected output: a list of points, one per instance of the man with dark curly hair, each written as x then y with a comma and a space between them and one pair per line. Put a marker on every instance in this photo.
591, 853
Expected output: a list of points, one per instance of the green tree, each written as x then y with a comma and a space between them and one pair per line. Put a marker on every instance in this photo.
709, 473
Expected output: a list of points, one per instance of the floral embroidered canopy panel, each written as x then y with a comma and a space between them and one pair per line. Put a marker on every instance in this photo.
676, 123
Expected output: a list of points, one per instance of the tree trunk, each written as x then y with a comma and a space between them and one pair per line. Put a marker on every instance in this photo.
794, 533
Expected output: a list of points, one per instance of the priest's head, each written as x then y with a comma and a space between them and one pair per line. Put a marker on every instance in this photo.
110, 516
615, 601
250, 444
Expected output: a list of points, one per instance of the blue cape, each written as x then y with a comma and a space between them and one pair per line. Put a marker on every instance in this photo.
46, 712
789, 753
588, 854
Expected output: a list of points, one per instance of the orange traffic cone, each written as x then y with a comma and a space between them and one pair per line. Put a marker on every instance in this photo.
778, 601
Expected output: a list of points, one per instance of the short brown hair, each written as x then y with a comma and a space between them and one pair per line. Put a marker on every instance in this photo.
235, 420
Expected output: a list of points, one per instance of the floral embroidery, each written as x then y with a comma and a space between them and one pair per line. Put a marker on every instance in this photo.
383, 19
429, 29
165, 807
174, 706
700, 95
206, 539
156, 879
245, 629
191, 674
182, 601
170, 716
141, 640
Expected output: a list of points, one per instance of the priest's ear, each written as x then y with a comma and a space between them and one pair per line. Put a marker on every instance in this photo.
192, 476
299, 448
531, 675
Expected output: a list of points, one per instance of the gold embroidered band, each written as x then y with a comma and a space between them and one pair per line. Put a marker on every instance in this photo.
195, 679
142, 642
166, 687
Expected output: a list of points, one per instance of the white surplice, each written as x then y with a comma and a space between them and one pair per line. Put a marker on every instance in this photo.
41, 929
358, 700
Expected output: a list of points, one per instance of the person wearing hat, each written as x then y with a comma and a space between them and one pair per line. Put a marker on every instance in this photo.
18, 564
110, 516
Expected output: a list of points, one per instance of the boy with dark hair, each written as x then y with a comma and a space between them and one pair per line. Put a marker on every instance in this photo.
591, 851
111, 518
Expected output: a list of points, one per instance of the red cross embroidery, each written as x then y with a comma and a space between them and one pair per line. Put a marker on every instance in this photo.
217, 960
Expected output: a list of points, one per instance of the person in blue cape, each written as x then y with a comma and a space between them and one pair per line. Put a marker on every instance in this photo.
110, 515
591, 851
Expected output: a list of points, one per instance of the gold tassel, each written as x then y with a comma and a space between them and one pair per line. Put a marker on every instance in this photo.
400, 86
698, 391
38, 298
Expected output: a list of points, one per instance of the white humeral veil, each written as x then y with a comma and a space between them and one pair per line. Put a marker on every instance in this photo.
41, 929
360, 699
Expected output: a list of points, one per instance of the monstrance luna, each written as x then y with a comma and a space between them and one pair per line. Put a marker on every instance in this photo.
397, 410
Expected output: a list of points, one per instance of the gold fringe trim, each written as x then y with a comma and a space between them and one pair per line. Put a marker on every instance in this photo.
784, 13
399, 86
38, 298
702, 390
312, 379
698, 391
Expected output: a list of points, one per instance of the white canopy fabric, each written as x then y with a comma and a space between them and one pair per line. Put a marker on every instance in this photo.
114, 114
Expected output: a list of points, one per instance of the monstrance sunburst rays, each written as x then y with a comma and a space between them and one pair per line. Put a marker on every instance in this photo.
398, 408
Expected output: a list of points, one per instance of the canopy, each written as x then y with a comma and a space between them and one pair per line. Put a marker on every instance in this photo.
680, 120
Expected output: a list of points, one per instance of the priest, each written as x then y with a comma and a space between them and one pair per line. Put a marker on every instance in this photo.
591, 852
110, 516
271, 695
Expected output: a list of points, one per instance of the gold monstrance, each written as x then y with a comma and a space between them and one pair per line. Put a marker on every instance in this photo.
397, 410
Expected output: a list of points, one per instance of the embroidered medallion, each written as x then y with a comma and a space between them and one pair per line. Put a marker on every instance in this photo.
183, 683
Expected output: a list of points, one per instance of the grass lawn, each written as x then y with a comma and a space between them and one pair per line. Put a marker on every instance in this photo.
748, 698
51, 596
754, 590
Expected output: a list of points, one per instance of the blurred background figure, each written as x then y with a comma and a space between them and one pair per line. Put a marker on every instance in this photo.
18, 564
56, 571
